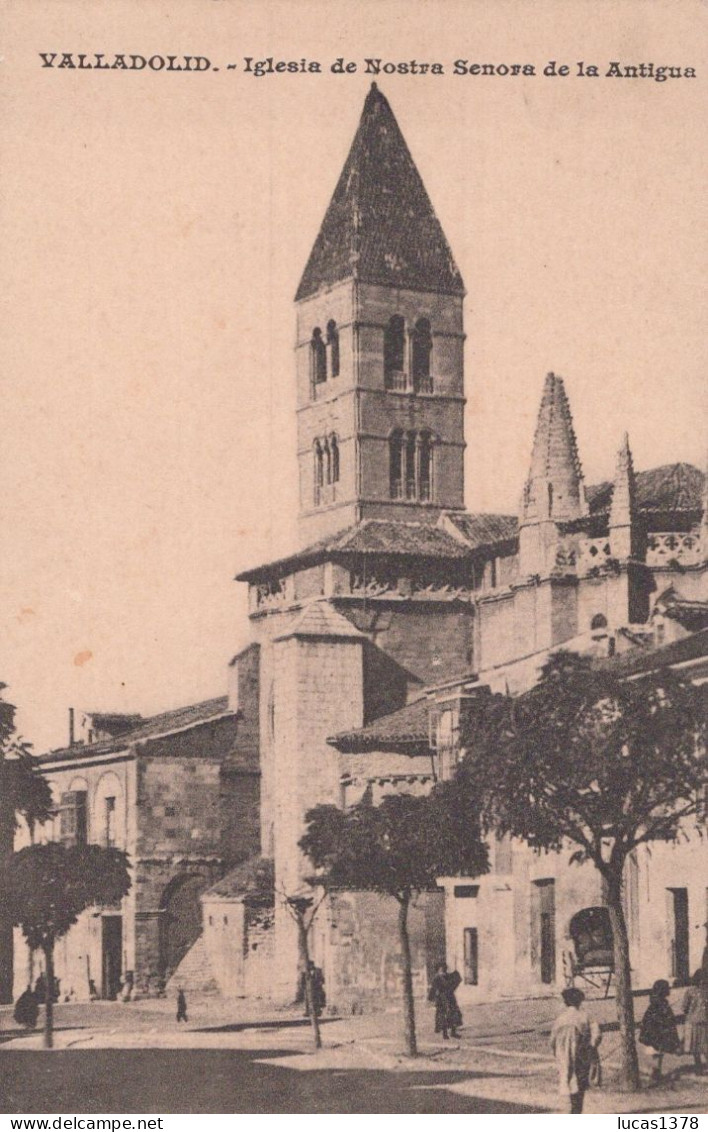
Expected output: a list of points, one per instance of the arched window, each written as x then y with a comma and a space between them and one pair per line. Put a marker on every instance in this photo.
327, 458
425, 466
394, 353
319, 472
411, 465
395, 446
411, 469
334, 457
333, 348
421, 349
599, 621
318, 357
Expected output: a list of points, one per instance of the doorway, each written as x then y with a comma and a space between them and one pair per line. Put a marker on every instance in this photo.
678, 927
111, 953
545, 901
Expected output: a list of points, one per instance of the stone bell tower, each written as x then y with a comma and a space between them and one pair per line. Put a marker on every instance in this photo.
380, 395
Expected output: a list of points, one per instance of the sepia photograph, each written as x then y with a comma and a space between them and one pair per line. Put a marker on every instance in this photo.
355, 576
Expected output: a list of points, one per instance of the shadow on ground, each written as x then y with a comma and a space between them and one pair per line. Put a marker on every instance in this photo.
272, 1024
221, 1081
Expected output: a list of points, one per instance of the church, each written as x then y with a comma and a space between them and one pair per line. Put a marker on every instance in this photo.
399, 605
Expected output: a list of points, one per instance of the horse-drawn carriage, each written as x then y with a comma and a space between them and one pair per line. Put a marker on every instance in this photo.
592, 958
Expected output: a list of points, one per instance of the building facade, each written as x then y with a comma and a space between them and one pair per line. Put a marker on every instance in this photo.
179, 793
396, 589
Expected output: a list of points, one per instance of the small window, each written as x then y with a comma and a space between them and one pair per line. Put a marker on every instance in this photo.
318, 356
425, 478
333, 348
334, 456
599, 621
319, 473
396, 464
471, 957
550, 500
466, 891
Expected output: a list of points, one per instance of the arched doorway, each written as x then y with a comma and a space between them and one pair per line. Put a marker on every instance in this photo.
181, 922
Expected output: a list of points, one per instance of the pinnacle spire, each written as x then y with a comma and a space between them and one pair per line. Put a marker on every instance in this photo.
380, 226
623, 522
554, 488
623, 495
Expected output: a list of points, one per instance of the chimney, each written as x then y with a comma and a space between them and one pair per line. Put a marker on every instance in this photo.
72, 736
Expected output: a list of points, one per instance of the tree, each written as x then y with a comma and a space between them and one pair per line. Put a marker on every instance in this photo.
23, 793
303, 908
399, 848
49, 886
596, 761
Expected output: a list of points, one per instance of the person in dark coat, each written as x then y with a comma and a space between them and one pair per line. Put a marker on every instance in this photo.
27, 1009
319, 996
448, 1018
181, 1006
658, 1030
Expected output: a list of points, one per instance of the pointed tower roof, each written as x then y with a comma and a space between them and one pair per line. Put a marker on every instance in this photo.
380, 226
321, 620
554, 488
622, 508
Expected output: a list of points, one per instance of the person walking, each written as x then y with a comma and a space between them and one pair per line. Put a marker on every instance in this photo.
27, 1009
448, 1017
181, 1006
574, 1042
658, 1030
695, 1011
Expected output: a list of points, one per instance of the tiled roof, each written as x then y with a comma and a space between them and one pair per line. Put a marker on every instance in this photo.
407, 727
380, 226
672, 487
648, 660
484, 530
320, 619
253, 878
151, 728
372, 536
383, 536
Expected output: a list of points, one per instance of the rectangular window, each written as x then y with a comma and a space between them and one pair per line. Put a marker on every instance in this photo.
466, 891
73, 818
110, 822
471, 957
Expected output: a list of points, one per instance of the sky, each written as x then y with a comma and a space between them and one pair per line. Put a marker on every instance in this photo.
154, 228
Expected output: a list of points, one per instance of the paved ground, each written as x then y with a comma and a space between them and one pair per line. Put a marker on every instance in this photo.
134, 1057
233, 1081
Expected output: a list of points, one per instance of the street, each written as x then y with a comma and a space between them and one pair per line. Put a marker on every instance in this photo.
217, 1081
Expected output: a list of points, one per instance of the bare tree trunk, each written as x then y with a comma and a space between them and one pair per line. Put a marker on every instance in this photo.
310, 1004
629, 1063
49, 998
7, 837
408, 1004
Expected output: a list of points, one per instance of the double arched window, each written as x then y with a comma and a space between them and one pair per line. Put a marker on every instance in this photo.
407, 356
324, 354
411, 465
326, 452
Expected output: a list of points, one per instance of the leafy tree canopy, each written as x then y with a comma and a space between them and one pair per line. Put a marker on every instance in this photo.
22, 790
400, 846
609, 763
48, 886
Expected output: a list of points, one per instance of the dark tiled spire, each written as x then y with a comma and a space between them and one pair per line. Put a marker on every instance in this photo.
380, 226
